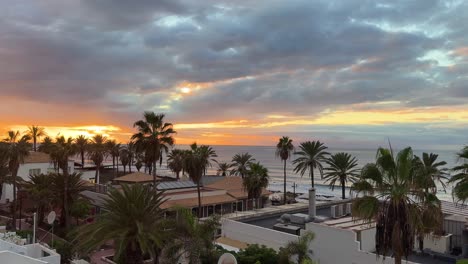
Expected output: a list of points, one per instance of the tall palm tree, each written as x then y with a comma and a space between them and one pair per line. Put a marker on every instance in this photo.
196, 162
429, 172
192, 237
132, 219
153, 136
175, 161
460, 190
60, 153
223, 168
4, 171
114, 149
97, 152
124, 157
311, 155
46, 145
342, 167
255, 181
18, 149
131, 154
299, 248
35, 133
388, 196
284, 149
240, 164
82, 144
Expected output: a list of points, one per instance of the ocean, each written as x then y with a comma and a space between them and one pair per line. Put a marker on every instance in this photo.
266, 156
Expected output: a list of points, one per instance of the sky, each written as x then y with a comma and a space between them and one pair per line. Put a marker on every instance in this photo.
351, 73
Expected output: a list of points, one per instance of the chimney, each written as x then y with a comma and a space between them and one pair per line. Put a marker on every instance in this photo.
312, 208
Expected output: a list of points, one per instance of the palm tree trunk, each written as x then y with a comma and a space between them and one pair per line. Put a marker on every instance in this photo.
130, 166
65, 194
35, 141
14, 175
82, 159
199, 200
177, 175
284, 170
154, 173
312, 176
343, 195
113, 164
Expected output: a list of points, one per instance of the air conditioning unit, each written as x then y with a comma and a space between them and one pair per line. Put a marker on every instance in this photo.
333, 211
348, 208
339, 210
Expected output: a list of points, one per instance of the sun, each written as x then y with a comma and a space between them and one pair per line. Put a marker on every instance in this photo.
185, 90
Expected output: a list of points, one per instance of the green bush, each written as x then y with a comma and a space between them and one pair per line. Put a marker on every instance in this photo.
65, 249
462, 261
25, 233
257, 254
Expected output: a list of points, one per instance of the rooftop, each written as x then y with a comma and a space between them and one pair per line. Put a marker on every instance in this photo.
136, 177
37, 157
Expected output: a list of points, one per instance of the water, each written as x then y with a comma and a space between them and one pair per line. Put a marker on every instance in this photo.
266, 156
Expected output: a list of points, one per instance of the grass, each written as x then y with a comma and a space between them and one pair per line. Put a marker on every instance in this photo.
462, 261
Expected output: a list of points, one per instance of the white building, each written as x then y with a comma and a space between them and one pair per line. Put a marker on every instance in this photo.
27, 254
34, 163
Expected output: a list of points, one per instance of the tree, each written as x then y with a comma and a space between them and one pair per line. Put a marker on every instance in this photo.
429, 172
386, 194
133, 219
240, 164
125, 157
80, 209
60, 152
192, 237
4, 171
66, 190
97, 152
82, 144
255, 181
153, 136
223, 168
175, 161
300, 248
284, 149
17, 149
257, 254
460, 179
342, 167
311, 155
195, 164
114, 150
35, 133
39, 191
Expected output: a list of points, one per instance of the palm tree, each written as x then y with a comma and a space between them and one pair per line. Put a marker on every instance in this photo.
255, 181
389, 197
192, 237
18, 149
35, 133
97, 152
39, 191
66, 190
223, 168
196, 162
154, 135
428, 172
460, 190
311, 156
342, 167
133, 219
240, 164
4, 171
60, 153
46, 145
114, 149
175, 161
283, 150
124, 157
131, 154
82, 144
299, 248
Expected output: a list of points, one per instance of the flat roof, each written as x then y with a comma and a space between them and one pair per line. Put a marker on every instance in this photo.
136, 177
193, 202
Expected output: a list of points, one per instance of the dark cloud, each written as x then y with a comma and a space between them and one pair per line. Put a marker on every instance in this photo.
294, 57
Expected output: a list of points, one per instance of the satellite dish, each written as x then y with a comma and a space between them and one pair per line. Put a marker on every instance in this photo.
227, 258
51, 217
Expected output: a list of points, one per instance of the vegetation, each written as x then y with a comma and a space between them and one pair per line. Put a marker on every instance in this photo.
223, 168
97, 152
257, 254
460, 190
298, 249
311, 155
342, 167
284, 149
153, 137
133, 219
39, 191
35, 133
175, 161
390, 197
82, 145
240, 164
255, 181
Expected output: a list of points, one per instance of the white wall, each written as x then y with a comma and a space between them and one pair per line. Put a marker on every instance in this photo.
251, 234
333, 245
440, 244
23, 172
368, 240
8, 257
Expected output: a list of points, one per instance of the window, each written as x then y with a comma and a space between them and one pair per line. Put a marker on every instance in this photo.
34, 172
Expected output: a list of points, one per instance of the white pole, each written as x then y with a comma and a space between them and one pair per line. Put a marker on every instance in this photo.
34, 228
